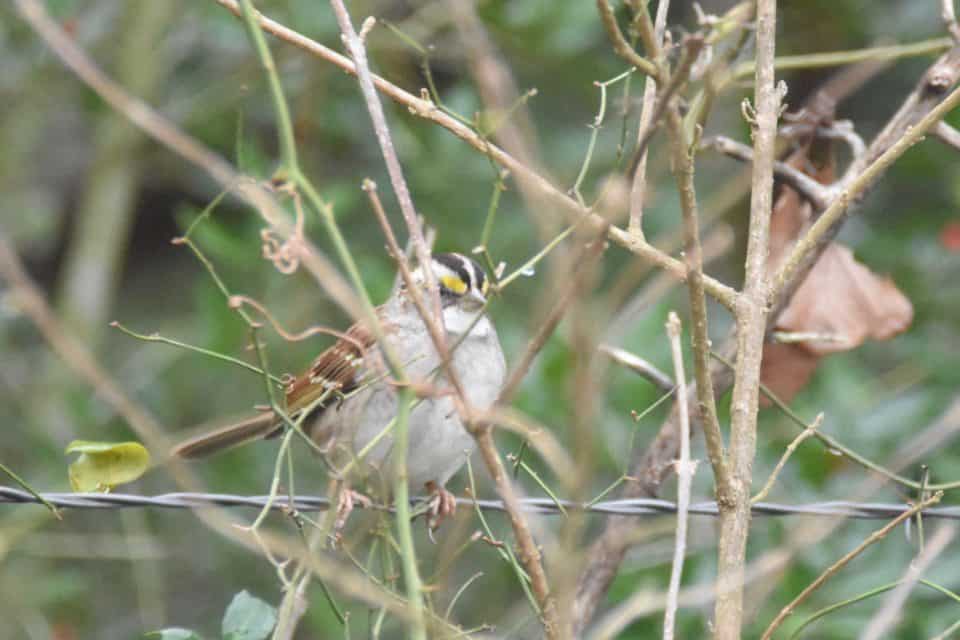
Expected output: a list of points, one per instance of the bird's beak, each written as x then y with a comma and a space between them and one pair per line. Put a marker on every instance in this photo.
477, 298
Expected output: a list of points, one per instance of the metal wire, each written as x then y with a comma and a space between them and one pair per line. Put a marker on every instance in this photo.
634, 507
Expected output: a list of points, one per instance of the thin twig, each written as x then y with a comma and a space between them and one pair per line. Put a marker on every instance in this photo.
288, 147
513, 129
529, 552
805, 249
170, 136
833, 444
26, 487
860, 598
540, 437
638, 187
685, 470
844, 58
434, 328
876, 536
796, 442
620, 44
947, 633
800, 182
682, 151
887, 615
639, 366
286, 257
692, 46
595, 127
483, 435
156, 337
358, 52
527, 176
947, 134
949, 16
567, 296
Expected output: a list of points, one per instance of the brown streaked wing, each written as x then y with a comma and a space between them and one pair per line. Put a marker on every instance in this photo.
339, 368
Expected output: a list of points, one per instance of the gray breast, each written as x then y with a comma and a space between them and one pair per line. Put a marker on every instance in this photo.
438, 441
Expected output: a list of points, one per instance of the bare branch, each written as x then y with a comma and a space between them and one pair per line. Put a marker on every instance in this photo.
651, 466
682, 153
751, 318
811, 430
620, 44
816, 193
427, 110
163, 131
876, 536
947, 134
843, 58
887, 615
358, 52
685, 470
949, 16
808, 248
639, 366
692, 46
638, 188
566, 298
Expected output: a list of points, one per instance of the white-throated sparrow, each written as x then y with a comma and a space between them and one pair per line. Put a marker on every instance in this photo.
362, 401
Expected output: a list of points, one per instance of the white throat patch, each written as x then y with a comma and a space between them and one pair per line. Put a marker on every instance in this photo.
457, 320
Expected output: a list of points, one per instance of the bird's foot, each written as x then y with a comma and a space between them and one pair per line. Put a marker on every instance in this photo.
442, 505
347, 499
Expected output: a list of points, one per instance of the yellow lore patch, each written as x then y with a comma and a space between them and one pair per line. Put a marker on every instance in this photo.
454, 284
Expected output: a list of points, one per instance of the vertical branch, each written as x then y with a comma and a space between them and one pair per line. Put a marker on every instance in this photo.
401, 489
949, 16
685, 470
638, 189
288, 147
751, 318
528, 551
357, 50
683, 160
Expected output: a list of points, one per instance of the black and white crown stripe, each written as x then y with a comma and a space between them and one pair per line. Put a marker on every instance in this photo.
464, 268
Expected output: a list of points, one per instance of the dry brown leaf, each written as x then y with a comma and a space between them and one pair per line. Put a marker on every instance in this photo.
844, 299
840, 299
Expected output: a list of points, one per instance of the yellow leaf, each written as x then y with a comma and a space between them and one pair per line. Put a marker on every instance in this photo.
104, 465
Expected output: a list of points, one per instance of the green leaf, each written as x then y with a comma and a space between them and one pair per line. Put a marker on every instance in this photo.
104, 465
174, 633
248, 618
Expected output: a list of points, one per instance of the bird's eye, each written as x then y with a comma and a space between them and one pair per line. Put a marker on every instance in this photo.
454, 284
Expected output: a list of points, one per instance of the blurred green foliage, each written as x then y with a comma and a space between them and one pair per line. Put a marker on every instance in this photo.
107, 575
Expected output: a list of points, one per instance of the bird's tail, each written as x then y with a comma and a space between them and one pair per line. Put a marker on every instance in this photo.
257, 427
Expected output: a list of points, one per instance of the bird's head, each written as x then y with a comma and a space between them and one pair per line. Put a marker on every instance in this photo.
462, 280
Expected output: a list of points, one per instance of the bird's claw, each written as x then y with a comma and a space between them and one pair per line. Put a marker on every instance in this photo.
442, 505
346, 501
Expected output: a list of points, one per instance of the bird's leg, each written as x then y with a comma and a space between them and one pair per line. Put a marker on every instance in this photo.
442, 504
347, 499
